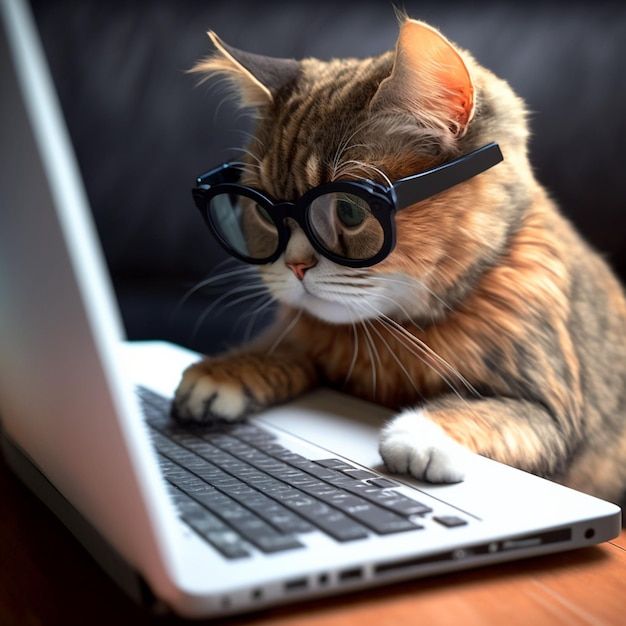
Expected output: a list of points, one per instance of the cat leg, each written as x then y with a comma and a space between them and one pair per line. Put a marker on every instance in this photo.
431, 442
231, 387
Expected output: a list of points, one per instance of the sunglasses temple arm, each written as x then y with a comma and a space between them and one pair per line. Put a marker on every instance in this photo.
225, 173
416, 188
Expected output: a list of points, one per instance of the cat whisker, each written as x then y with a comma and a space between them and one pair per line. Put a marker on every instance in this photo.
251, 154
348, 280
341, 293
217, 278
395, 304
344, 141
256, 290
411, 347
339, 166
395, 357
249, 136
369, 166
253, 315
213, 280
401, 333
355, 352
339, 283
418, 343
374, 357
451, 386
448, 382
426, 349
416, 283
429, 350
286, 332
343, 145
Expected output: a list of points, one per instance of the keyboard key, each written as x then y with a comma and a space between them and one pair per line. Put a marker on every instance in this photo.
381, 521
383, 483
251, 434
276, 543
258, 532
155, 407
331, 521
374, 517
262, 535
388, 499
275, 514
359, 474
334, 464
327, 474
226, 541
450, 521
209, 527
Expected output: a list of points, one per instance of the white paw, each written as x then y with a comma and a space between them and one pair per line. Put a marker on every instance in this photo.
199, 398
413, 444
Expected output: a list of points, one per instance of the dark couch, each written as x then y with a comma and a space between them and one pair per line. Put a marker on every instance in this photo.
142, 131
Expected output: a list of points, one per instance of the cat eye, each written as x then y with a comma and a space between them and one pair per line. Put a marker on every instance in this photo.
350, 210
349, 222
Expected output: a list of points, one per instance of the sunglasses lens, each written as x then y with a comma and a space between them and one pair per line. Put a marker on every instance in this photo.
346, 226
244, 225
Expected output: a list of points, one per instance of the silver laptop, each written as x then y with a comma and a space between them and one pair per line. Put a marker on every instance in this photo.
292, 504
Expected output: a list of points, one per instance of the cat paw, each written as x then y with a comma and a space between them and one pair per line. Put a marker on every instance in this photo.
413, 444
200, 398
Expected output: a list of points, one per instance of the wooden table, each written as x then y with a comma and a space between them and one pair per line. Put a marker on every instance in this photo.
46, 579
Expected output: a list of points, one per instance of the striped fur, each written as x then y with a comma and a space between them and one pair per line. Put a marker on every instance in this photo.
491, 316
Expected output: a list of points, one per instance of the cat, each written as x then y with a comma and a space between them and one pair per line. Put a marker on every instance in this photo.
491, 327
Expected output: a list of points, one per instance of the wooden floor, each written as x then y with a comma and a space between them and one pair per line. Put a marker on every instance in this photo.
46, 579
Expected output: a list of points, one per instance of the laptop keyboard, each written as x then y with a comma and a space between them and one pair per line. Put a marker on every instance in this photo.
239, 489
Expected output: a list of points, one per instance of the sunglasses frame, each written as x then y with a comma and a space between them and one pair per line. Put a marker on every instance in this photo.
383, 201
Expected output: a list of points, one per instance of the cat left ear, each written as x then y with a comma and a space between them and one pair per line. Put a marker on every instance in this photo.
429, 79
256, 77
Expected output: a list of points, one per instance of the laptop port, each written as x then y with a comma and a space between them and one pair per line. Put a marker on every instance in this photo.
296, 584
351, 574
540, 539
393, 566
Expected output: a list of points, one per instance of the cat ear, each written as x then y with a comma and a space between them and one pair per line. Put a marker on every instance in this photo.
256, 77
429, 79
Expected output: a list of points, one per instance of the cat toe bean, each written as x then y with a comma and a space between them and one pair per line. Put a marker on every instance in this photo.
413, 444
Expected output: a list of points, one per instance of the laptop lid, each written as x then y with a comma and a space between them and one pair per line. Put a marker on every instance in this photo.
61, 398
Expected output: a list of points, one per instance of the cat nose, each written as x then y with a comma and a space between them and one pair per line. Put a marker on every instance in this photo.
301, 267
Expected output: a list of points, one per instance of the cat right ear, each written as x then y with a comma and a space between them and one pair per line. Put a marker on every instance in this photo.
257, 78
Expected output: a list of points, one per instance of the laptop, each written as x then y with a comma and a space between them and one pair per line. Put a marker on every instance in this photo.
291, 504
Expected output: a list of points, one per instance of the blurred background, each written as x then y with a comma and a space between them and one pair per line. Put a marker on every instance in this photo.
142, 131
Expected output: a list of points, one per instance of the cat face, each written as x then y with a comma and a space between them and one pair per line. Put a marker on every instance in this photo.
379, 119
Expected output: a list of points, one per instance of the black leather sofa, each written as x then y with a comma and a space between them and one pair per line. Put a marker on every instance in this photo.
142, 132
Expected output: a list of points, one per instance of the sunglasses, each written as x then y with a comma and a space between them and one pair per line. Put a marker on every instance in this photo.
349, 222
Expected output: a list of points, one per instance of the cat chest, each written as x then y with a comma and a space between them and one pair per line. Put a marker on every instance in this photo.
389, 370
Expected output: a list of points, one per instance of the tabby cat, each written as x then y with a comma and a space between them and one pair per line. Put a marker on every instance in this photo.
491, 319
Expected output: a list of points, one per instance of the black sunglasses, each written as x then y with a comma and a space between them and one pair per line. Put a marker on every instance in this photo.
349, 222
